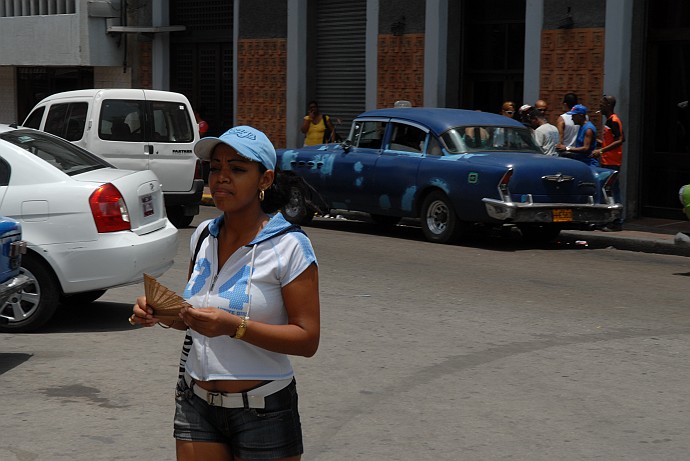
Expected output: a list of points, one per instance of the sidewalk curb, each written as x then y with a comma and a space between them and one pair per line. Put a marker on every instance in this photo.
620, 241
207, 200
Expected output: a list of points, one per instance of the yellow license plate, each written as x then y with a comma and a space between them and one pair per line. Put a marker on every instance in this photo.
563, 215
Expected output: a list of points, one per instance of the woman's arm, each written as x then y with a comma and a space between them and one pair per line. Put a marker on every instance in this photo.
305, 124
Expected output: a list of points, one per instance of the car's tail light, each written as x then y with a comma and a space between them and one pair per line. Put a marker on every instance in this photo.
503, 186
608, 187
109, 209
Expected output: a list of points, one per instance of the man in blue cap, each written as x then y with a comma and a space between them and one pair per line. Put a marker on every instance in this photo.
585, 142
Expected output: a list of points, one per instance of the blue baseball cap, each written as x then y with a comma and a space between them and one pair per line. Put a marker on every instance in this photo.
247, 141
578, 109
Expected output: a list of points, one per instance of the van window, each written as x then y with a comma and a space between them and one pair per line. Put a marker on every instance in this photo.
121, 120
65, 120
171, 122
34, 118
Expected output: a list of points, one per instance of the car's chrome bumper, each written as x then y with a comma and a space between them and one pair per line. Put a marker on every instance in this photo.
11, 286
543, 212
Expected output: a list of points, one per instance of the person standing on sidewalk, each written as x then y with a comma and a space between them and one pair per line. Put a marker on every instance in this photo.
585, 141
567, 129
610, 154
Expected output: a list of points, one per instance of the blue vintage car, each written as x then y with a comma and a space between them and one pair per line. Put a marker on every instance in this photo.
11, 249
453, 169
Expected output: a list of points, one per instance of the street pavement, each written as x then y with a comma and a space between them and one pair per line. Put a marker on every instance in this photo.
649, 235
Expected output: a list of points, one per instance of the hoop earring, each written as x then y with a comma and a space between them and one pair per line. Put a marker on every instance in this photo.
261, 195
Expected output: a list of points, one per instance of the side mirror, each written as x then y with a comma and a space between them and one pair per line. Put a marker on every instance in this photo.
346, 145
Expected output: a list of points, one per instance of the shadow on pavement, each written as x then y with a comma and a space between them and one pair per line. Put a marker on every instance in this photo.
493, 239
89, 318
12, 360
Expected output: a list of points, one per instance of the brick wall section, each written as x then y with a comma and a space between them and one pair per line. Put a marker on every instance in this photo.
572, 60
112, 77
261, 86
145, 65
400, 69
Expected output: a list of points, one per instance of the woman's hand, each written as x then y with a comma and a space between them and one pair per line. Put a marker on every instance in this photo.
142, 314
210, 321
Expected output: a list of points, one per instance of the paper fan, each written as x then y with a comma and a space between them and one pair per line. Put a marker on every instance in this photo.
166, 303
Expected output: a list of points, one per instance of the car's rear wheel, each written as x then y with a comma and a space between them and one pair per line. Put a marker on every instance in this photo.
296, 210
539, 233
439, 221
35, 304
86, 297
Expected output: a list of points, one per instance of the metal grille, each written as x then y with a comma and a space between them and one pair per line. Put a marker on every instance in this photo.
340, 60
202, 15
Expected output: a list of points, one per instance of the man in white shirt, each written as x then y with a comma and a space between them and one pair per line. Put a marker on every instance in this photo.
545, 134
567, 129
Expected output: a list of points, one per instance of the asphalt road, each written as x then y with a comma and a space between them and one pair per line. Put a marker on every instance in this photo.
491, 350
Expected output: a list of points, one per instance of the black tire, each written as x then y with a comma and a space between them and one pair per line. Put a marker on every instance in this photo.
539, 233
384, 220
178, 218
86, 297
296, 210
35, 304
439, 221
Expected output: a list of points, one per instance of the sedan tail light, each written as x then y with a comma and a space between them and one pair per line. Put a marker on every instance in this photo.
608, 187
109, 209
503, 186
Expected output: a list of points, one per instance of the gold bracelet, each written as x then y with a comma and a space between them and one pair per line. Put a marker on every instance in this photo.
241, 329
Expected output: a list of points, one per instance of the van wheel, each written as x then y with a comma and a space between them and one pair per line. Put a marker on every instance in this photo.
178, 218
35, 304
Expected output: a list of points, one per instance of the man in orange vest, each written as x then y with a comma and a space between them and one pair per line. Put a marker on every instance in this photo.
610, 154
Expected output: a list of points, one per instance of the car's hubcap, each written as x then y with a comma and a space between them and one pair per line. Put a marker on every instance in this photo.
23, 304
437, 217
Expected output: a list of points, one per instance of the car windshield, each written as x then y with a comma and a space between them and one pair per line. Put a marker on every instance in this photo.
489, 138
61, 154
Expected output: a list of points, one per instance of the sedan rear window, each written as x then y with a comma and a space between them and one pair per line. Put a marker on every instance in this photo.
57, 152
489, 138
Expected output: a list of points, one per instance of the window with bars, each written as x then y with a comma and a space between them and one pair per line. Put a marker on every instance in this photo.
13, 8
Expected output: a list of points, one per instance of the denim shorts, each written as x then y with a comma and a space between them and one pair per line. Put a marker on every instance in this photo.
251, 433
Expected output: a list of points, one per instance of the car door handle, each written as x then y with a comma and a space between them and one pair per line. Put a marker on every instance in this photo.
148, 149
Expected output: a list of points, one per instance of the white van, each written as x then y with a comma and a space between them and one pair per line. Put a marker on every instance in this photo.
133, 129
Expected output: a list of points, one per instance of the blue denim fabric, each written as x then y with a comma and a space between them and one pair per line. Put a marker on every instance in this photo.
252, 433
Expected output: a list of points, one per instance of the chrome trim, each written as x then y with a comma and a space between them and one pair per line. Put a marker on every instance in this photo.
541, 212
558, 177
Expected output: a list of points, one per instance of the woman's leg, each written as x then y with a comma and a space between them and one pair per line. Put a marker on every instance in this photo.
206, 451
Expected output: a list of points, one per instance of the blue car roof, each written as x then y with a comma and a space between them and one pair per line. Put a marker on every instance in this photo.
440, 120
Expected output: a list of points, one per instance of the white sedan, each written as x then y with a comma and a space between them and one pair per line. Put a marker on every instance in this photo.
89, 226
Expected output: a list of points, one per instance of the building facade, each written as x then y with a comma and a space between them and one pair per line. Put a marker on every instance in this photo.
260, 62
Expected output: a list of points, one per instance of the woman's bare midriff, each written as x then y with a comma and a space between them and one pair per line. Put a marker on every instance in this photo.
230, 387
